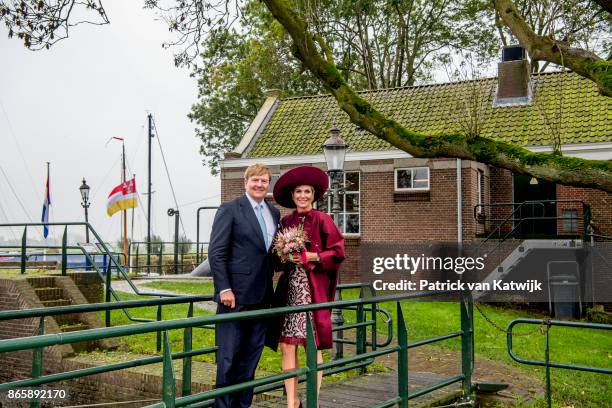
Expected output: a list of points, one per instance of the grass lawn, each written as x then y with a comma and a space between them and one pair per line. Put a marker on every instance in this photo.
567, 345
202, 338
195, 287
426, 319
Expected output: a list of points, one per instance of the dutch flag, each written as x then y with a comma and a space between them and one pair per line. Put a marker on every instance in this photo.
46, 206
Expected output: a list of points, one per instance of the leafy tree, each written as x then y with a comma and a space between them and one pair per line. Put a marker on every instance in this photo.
157, 244
119, 244
316, 55
185, 244
194, 20
236, 71
385, 44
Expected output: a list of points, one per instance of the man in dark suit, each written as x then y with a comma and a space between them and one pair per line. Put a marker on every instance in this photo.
239, 254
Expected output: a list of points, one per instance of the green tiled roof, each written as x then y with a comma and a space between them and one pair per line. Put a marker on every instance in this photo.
299, 126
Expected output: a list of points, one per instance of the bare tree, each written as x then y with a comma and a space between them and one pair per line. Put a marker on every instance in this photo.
40, 24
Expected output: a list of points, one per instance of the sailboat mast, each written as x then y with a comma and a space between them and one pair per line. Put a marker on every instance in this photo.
149, 137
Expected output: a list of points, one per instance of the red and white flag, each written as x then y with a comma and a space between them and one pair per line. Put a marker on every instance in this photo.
122, 197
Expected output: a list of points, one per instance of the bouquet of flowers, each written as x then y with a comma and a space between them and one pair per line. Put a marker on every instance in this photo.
290, 241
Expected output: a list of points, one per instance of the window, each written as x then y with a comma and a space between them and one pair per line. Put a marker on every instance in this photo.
348, 218
412, 179
570, 220
273, 181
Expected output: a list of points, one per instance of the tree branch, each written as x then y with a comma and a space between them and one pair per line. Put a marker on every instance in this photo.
583, 62
563, 170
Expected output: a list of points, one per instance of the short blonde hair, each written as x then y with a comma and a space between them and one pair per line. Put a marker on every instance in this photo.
257, 169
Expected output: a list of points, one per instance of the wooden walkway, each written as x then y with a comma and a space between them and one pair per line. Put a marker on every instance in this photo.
371, 389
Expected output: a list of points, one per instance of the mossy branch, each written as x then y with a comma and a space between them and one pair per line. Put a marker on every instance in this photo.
564, 170
541, 48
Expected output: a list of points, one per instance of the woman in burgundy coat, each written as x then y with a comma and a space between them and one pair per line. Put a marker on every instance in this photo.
311, 277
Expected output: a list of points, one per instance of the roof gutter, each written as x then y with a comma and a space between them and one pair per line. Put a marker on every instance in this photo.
590, 151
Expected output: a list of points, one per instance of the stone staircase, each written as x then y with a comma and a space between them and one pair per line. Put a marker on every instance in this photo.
54, 291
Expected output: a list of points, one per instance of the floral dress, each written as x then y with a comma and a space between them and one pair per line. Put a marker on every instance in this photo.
293, 330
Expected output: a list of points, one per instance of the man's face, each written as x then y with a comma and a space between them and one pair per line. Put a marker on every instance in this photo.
257, 186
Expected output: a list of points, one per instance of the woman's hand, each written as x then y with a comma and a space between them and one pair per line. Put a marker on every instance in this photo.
310, 257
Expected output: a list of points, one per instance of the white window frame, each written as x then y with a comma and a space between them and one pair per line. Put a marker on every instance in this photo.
569, 217
343, 213
271, 187
412, 171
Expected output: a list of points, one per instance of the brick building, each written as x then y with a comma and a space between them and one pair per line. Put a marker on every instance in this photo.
393, 197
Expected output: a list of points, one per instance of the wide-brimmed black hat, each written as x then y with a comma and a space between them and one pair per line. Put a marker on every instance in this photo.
300, 176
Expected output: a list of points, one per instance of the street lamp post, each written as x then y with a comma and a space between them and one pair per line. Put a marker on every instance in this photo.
334, 150
85, 204
175, 213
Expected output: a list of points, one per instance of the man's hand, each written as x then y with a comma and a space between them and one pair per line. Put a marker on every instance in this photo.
228, 298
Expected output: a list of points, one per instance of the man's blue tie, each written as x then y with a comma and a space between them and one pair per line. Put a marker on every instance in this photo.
262, 222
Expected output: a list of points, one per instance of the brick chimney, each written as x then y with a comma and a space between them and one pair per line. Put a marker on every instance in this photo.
513, 87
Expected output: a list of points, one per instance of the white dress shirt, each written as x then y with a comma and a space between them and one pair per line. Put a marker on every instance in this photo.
267, 215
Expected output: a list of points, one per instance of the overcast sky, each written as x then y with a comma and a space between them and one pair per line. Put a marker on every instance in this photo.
62, 105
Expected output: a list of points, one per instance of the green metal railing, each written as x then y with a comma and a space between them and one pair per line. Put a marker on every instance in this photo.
361, 324
551, 364
37, 357
169, 399
105, 276
183, 258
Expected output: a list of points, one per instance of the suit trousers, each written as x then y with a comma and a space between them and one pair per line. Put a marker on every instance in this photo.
240, 345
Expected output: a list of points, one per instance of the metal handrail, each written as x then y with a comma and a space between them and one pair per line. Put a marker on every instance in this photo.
600, 236
73, 247
310, 371
547, 363
517, 207
178, 251
105, 277
98, 307
374, 314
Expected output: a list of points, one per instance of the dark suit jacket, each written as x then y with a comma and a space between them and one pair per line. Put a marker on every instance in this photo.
237, 253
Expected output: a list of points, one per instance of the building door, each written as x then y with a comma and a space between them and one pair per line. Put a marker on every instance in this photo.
538, 217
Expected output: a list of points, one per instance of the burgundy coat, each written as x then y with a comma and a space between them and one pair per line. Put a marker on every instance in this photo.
326, 239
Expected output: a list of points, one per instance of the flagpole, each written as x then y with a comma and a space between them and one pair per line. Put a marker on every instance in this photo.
132, 233
48, 206
123, 180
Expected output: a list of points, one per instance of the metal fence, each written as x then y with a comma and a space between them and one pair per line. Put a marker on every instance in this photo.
361, 358
551, 364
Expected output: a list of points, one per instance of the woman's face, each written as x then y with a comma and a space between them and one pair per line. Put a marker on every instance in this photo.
303, 196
